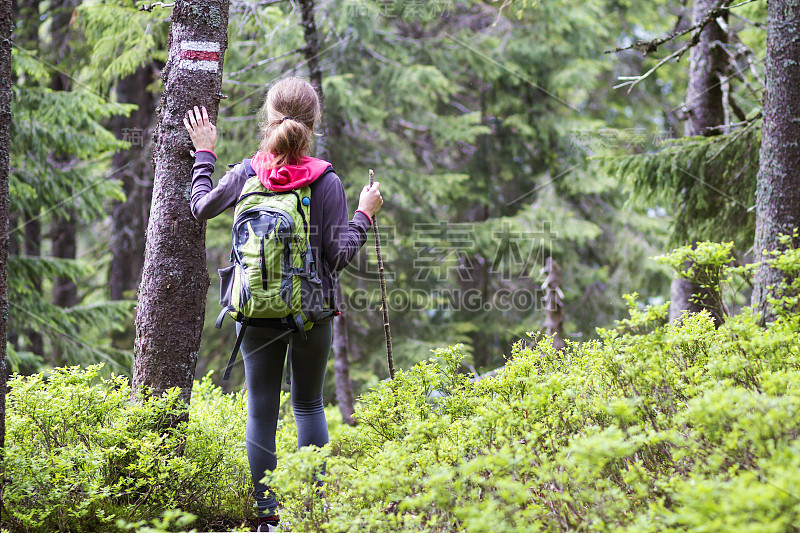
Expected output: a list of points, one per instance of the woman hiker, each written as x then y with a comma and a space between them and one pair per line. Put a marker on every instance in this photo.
291, 111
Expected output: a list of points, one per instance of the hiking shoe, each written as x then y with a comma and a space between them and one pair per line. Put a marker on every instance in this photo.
269, 523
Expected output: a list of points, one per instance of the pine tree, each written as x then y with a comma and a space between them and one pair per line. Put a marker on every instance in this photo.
126, 48
49, 126
467, 114
706, 180
27, 36
172, 293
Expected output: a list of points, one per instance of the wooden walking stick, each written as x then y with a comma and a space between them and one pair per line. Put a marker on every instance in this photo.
386, 329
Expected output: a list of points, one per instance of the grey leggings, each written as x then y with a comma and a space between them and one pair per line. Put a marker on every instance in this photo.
264, 352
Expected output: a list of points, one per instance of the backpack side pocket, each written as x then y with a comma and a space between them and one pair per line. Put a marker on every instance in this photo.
225, 285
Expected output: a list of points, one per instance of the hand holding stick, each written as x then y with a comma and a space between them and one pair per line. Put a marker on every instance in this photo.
384, 304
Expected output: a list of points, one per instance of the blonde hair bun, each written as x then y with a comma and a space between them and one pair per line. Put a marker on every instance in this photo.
290, 111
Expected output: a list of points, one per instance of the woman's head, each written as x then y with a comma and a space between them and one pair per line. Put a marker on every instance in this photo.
290, 113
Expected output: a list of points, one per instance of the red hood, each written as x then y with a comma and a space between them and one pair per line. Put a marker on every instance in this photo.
287, 177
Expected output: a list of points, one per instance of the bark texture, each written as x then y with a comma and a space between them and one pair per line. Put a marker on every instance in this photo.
136, 172
172, 293
705, 108
778, 182
6, 24
341, 363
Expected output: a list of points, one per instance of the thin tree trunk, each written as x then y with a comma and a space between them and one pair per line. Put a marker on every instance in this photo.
27, 36
172, 293
63, 232
130, 217
553, 299
778, 182
6, 25
341, 368
33, 248
13, 249
311, 53
706, 111
341, 364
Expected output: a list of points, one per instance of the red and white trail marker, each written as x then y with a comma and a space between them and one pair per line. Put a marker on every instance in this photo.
199, 55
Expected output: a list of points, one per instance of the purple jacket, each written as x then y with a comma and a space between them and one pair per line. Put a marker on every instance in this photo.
334, 241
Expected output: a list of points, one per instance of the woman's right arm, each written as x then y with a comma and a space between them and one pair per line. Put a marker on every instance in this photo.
209, 201
206, 200
341, 240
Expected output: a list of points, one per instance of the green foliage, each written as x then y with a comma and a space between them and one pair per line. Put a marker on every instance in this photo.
651, 427
786, 300
704, 264
60, 153
82, 457
712, 267
643, 319
121, 38
707, 182
172, 520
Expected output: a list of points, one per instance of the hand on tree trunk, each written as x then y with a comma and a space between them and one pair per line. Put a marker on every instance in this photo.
201, 130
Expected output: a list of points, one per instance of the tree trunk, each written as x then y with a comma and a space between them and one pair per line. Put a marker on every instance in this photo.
172, 293
27, 36
778, 182
311, 53
33, 247
554, 304
706, 111
341, 364
64, 229
130, 217
341, 368
6, 24
65, 293
13, 249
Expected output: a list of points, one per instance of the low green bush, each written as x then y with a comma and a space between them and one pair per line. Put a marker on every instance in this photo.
80, 456
651, 428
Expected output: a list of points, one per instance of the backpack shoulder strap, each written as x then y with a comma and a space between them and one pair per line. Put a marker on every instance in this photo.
248, 168
328, 170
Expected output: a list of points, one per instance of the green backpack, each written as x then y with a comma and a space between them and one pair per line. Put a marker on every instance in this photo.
273, 281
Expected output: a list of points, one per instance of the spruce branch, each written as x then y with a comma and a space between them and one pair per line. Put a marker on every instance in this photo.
384, 304
747, 125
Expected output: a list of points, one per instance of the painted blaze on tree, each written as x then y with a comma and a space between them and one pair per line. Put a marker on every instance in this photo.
172, 294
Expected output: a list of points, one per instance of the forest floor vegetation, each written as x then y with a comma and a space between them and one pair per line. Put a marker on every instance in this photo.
652, 427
